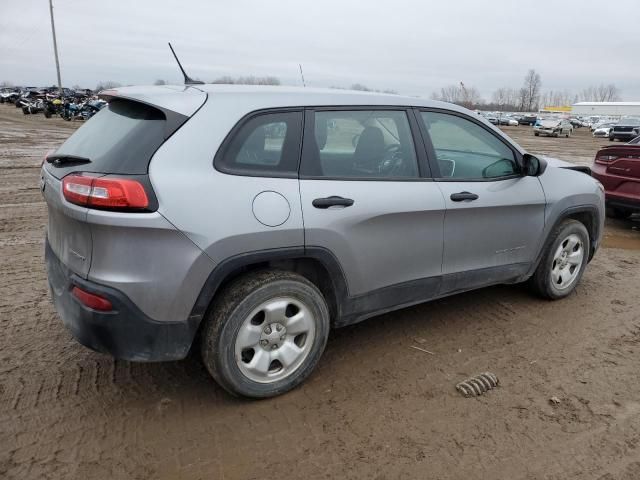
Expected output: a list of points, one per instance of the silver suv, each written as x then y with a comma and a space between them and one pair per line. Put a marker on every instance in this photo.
247, 221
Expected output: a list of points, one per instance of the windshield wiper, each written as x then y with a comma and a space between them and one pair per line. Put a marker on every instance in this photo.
63, 159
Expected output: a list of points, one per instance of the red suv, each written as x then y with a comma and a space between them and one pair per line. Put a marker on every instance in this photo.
618, 169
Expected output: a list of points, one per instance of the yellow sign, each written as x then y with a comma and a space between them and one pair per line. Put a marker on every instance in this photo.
563, 109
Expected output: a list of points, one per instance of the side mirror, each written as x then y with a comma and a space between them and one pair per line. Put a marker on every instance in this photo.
533, 166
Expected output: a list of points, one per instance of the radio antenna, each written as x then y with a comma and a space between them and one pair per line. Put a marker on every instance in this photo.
302, 75
187, 79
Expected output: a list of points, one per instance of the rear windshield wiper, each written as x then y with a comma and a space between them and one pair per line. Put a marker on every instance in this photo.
64, 159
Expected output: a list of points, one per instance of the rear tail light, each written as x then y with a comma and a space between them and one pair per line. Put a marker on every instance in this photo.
92, 300
606, 158
105, 192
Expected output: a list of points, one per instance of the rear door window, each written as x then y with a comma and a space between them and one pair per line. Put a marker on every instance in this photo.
363, 144
120, 139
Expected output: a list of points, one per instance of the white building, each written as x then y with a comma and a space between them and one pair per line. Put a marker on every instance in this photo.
609, 109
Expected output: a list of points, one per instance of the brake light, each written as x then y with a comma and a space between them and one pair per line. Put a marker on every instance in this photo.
606, 158
92, 300
105, 192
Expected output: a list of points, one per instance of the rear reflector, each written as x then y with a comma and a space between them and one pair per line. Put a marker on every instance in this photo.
92, 300
105, 192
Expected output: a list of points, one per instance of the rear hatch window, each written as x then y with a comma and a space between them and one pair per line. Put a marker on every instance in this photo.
119, 139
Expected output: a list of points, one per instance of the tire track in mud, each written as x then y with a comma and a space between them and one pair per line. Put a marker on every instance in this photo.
375, 408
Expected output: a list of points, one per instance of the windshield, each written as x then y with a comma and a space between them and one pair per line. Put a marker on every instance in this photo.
630, 121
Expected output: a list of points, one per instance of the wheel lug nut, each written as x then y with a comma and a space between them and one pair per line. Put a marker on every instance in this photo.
263, 343
273, 347
282, 337
278, 327
267, 330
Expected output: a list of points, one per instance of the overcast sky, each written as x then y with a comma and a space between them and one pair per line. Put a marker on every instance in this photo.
413, 47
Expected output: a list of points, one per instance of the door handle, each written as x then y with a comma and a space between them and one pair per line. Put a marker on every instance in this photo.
459, 197
332, 201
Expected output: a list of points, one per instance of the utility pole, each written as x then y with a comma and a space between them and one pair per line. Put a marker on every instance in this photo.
55, 46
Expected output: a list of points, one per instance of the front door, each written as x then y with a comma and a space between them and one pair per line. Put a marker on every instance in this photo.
494, 215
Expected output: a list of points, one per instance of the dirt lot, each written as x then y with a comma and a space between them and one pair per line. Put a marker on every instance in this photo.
374, 409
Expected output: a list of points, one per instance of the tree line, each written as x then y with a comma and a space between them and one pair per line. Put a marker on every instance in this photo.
528, 98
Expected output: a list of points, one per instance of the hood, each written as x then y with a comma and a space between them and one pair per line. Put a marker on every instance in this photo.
549, 123
557, 163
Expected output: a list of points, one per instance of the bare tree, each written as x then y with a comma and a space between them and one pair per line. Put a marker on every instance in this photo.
600, 93
248, 80
107, 85
530, 92
160, 82
459, 94
4, 84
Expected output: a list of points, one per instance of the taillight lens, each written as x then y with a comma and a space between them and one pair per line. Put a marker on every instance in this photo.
105, 192
92, 300
606, 158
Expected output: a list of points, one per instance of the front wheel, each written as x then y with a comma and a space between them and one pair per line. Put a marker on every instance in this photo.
265, 333
563, 262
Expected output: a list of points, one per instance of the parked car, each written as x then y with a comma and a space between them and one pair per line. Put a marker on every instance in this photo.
553, 128
617, 167
492, 119
576, 122
603, 130
528, 120
626, 129
176, 213
509, 121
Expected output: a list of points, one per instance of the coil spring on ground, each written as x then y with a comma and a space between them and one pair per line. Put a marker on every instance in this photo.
478, 385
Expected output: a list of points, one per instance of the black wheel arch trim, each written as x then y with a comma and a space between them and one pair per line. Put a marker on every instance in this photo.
565, 214
232, 264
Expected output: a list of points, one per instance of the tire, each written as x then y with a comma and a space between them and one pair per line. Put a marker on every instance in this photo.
620, 213
611, 139
548, 281
536, 134
239, 312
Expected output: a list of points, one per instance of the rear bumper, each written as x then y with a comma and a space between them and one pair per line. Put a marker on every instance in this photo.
620, 192
125, 332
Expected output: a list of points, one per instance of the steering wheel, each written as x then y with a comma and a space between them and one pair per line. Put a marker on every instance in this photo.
392, 163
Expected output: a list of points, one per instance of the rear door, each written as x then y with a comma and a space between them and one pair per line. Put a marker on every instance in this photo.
494, 216
365, 199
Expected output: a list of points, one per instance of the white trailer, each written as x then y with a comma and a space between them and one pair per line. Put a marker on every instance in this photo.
609, 109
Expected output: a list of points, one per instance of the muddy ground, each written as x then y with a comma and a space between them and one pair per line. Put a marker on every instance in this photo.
375, 408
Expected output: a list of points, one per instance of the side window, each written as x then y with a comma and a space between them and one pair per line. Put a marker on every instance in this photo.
374, 144
466, 150
267, 144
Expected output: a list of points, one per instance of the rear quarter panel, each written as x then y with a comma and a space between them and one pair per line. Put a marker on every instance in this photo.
213, 209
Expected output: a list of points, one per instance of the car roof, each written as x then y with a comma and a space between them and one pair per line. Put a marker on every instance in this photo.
267, 96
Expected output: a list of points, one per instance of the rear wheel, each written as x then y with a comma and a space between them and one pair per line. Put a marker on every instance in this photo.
265, 333
536, 134
563, 262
